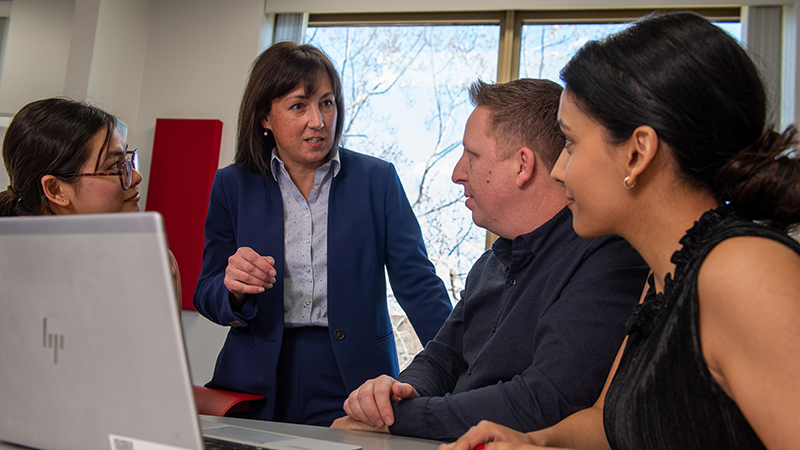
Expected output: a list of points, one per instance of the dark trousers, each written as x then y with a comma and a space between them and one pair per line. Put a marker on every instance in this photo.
309, 388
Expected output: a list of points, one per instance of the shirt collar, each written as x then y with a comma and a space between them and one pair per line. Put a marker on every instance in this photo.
513, 253
276, 163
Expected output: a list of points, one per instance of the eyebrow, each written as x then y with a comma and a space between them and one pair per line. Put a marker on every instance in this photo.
562, 125
115, 154
306, 96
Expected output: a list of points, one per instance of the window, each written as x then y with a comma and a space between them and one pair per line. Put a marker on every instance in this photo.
405, 80
406, 102
546, 48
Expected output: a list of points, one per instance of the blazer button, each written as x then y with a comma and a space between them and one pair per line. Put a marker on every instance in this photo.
338, 334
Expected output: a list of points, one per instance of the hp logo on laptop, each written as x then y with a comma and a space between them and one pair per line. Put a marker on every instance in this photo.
50, 340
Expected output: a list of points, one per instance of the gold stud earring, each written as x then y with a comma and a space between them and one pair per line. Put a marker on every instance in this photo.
625, 183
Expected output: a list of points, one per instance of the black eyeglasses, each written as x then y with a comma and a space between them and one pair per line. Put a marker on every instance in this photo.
125, 172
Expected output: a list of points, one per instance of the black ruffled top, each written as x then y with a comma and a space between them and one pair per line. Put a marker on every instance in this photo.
663, 396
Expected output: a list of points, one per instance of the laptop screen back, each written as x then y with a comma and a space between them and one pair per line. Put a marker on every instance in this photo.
90, 338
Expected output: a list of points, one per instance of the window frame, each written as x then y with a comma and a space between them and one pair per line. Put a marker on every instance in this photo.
510, 21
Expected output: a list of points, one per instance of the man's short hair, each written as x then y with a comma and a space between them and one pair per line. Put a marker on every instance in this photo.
523, 113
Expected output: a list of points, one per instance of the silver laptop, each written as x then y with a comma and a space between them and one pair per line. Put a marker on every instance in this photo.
91, 349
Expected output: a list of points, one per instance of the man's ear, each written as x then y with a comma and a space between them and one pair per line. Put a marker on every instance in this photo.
54, 190
526, 163
641, 148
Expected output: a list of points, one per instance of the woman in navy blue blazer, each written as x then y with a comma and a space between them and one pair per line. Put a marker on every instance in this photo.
299, 236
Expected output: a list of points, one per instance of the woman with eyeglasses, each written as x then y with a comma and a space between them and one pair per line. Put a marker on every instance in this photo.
67, 157
668, 146
300, 235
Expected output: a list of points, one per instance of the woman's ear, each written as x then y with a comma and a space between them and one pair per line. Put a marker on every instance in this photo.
265, 123
642, 147
54, 191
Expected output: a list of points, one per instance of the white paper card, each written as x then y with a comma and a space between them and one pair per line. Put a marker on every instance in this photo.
126, 443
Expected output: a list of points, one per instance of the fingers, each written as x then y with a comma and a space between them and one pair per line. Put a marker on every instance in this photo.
347, 423
469, 441
485, 432
249, 273
402, 391
372, 403
383, 401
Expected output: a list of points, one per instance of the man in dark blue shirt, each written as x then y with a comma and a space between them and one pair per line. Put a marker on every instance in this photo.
543, 312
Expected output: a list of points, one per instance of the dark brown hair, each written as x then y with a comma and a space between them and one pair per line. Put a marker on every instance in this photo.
274, 74
524, 113
48, 137
697, 87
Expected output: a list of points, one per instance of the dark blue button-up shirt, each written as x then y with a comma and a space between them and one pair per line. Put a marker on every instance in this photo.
532, 339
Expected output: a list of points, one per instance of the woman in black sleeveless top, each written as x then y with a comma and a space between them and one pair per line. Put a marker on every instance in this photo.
668, 146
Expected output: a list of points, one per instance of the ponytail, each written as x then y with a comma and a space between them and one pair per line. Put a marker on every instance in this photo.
762, 182
7, 203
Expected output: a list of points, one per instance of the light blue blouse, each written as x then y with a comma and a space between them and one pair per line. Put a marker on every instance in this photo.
305, 293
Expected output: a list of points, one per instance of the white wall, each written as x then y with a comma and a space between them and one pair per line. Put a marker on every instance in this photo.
85, 49
203, 340
195, 67
118, 55
4, 121
37, 49
149, 59
790, 98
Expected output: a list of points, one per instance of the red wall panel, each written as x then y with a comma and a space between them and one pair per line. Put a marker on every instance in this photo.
185, 158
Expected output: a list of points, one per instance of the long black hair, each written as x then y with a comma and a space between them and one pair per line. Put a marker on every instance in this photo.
697, 87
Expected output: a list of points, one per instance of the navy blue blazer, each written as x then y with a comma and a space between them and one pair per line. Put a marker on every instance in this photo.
370, 226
